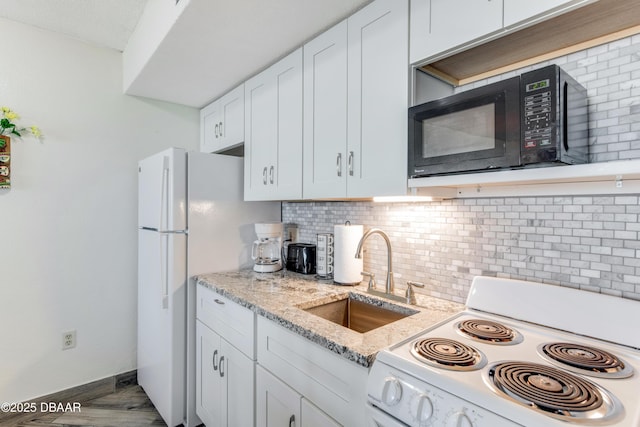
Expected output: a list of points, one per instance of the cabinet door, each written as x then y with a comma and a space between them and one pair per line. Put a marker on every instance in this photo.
273, 131
287, 176
222, 122
312, 416
232, 111
209, 396
237, 374
439, 25
260, 137
517, 11
277, 405
378, 100
210, 119
325, 114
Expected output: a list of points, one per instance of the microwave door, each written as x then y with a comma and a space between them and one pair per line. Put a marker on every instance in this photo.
470, 131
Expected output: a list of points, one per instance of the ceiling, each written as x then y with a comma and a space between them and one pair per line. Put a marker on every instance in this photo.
213, 46
105, 23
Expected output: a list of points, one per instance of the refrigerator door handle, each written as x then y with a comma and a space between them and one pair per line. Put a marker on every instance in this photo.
164, 194
165, 231
164, 274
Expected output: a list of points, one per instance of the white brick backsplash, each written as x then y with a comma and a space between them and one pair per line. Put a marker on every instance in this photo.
445, 244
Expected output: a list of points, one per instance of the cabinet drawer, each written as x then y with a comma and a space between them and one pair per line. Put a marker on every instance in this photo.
334, 384
234, 323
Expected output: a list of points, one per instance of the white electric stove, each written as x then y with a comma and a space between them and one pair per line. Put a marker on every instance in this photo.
521, 353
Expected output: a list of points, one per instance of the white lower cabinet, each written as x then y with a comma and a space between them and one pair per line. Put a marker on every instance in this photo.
224, 381
297, 378
312, 416
225, 361
279, 405
276, 403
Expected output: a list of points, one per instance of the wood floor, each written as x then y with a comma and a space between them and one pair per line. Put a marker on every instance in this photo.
125, 405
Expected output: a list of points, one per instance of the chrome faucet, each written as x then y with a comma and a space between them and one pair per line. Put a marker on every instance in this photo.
389, 286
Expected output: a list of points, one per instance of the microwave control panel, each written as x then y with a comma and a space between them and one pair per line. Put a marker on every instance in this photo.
538, 114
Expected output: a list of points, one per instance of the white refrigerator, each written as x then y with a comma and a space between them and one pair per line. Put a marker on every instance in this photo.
191, 220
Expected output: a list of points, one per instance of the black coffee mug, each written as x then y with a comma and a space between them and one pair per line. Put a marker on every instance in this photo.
301, 258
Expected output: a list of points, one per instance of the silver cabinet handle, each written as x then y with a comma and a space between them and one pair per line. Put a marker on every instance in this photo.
292, 421
350, 163
339, 164
220, 129
215, 364
264, 176
215, 131
217, 301
222, 366
271, 169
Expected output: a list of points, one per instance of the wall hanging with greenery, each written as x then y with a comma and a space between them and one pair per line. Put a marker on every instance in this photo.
8, 127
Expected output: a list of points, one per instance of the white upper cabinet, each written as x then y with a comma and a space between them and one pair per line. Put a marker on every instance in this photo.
356, 98
441, 28
273, 132
378, 100
516, 11
222, 122
440, 25
325, 113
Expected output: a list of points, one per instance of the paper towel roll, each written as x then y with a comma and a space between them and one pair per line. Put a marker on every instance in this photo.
347, 268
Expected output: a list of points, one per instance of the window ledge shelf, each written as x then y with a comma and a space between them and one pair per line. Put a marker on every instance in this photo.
616, 177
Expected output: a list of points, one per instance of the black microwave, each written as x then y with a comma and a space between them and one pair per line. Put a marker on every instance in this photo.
539, 118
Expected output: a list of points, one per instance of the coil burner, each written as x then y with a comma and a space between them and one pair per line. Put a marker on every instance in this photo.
488, 331
553, 392
585, 360
448, 354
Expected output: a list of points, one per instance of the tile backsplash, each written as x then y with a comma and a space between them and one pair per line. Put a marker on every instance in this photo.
584, 242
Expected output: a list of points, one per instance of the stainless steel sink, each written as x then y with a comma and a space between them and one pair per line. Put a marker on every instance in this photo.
360, 313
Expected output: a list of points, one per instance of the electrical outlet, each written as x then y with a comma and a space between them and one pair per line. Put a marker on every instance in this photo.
68, 340
293, 233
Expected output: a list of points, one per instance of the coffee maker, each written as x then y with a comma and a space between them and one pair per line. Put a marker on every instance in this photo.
267, 250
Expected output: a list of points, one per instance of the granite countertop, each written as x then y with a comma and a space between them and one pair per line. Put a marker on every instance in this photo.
282, 296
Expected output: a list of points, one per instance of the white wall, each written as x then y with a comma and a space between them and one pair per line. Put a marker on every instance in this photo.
68, 225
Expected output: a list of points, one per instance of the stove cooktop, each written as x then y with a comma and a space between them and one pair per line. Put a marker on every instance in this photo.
486, 369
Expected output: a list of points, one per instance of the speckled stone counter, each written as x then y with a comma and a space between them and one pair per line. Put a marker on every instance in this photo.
282, 297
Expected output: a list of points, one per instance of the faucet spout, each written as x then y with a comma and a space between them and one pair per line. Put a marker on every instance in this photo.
389, 286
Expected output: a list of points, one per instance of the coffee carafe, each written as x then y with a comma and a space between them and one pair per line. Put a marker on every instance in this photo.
267, 250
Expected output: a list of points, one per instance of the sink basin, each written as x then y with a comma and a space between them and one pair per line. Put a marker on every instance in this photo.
360, 313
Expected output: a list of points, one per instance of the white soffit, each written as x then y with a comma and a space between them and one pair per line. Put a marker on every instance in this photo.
216, 44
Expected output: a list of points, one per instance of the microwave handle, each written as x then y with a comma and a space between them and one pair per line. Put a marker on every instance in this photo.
565, 116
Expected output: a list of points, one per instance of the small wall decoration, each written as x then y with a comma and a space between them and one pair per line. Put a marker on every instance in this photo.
8, 127
5, 161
